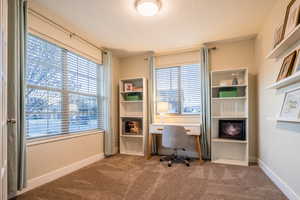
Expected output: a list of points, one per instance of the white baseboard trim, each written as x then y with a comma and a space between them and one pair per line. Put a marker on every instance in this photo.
51, 176
283, 186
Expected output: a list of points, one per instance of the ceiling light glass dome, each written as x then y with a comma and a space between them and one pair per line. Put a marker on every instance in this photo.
148, 7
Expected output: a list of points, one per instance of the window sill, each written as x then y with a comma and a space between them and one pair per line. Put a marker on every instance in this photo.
37, 141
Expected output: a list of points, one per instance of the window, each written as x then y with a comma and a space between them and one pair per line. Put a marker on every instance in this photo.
180, 87
62, 90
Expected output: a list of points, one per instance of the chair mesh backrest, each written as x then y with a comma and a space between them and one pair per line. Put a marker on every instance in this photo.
174, 137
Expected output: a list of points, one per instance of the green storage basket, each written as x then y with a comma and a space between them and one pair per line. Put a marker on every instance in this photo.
133, 97
228, 92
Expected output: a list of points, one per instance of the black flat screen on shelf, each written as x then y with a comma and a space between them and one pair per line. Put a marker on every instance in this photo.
232, 129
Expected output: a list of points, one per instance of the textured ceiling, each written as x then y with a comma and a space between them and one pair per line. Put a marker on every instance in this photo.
180, 23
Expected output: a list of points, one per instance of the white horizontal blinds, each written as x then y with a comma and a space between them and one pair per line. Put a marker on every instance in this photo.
190, 89
180, 87
44, 85
167, 87
82, 93
61, 92
82, 75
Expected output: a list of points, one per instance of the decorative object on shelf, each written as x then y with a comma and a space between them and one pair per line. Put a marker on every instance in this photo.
228, 92
235, 79
232, 129
278, 36
132, 127
128, 87
133, 97
290, 110
291, 19
137, 89
225, 82
287, 66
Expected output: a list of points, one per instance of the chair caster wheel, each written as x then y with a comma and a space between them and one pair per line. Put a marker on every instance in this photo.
160, 160
169, 165
187, 164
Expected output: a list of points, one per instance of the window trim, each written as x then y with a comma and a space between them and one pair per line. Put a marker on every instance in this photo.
65, 98
180, 106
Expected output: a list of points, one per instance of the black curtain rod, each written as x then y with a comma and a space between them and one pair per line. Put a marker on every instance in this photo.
51, 22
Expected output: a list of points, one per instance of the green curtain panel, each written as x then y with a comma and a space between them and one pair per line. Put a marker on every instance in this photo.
109, 135
151, 88
17, 24
205, 102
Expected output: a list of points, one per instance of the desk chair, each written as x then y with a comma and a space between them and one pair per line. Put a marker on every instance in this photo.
174, 137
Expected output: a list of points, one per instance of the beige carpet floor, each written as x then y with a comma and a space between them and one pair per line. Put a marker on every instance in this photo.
134, 178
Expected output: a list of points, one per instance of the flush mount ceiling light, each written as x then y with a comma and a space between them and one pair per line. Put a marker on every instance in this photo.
148, 7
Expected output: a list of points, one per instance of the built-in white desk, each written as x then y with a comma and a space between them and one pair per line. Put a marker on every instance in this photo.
191, 129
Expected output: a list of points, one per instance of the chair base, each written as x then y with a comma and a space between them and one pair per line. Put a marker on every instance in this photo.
175, 159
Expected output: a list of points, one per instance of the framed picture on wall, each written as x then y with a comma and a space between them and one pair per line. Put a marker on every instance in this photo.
278, 36
291, 19
290, 109
287, 66
128, 87
297, 63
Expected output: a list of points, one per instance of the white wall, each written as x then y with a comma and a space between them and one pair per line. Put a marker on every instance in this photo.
235, 54
46, 157
279, 143
134, 66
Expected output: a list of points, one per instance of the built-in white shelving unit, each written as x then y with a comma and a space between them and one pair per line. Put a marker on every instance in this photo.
229, 151
219, 86
133, 111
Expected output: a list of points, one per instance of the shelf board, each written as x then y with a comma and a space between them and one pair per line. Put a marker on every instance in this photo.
230, 70
288, 120
140, 101
131, 116
133, 136
286, 82
229, 117
229, 141
219, 86
131, 92
229, 98
231, 162
285, 44
132, 79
